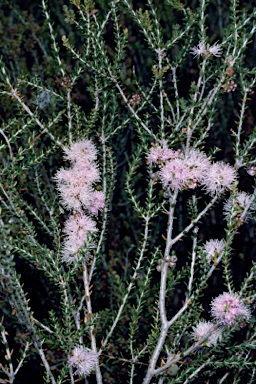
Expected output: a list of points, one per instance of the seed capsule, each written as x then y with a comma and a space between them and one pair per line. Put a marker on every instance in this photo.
230, 71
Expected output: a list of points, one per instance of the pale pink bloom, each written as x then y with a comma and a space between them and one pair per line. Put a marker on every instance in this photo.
159, 153
239, 204
70, 196
79, 174
175, 174
213, 249
79, 224
85, 173
220, 176
83, 360
200, 49
202, 329
63, 176
215, 50
86, 196
77, 228
228, 309
198, 163
183, 173
96, 202
83, 150
203, 49
73, 184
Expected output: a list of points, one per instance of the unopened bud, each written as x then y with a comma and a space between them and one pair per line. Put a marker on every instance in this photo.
153, 176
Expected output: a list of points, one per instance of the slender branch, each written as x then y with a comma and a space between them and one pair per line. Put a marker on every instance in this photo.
90, 315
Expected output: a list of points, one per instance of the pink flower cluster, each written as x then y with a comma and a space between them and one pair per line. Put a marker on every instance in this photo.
229, 86
77, 191
135, 100
228, 309
83, 360
178, 171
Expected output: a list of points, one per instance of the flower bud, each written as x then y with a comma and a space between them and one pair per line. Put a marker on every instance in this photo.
172, 265
174, 259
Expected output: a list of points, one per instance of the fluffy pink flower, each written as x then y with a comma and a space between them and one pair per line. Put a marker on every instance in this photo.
220, 176
159, 153
83, 360
215, 50
203, 49
228, 309
200, 49
81, 151
96, 202
198, 163
70, 196
175, 174
183, 173
75, 183
202, 329
77, 228
213, 249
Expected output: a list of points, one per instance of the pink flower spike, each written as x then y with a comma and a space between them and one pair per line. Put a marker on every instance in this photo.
228, 309
73, 184
198, 164
83, 360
